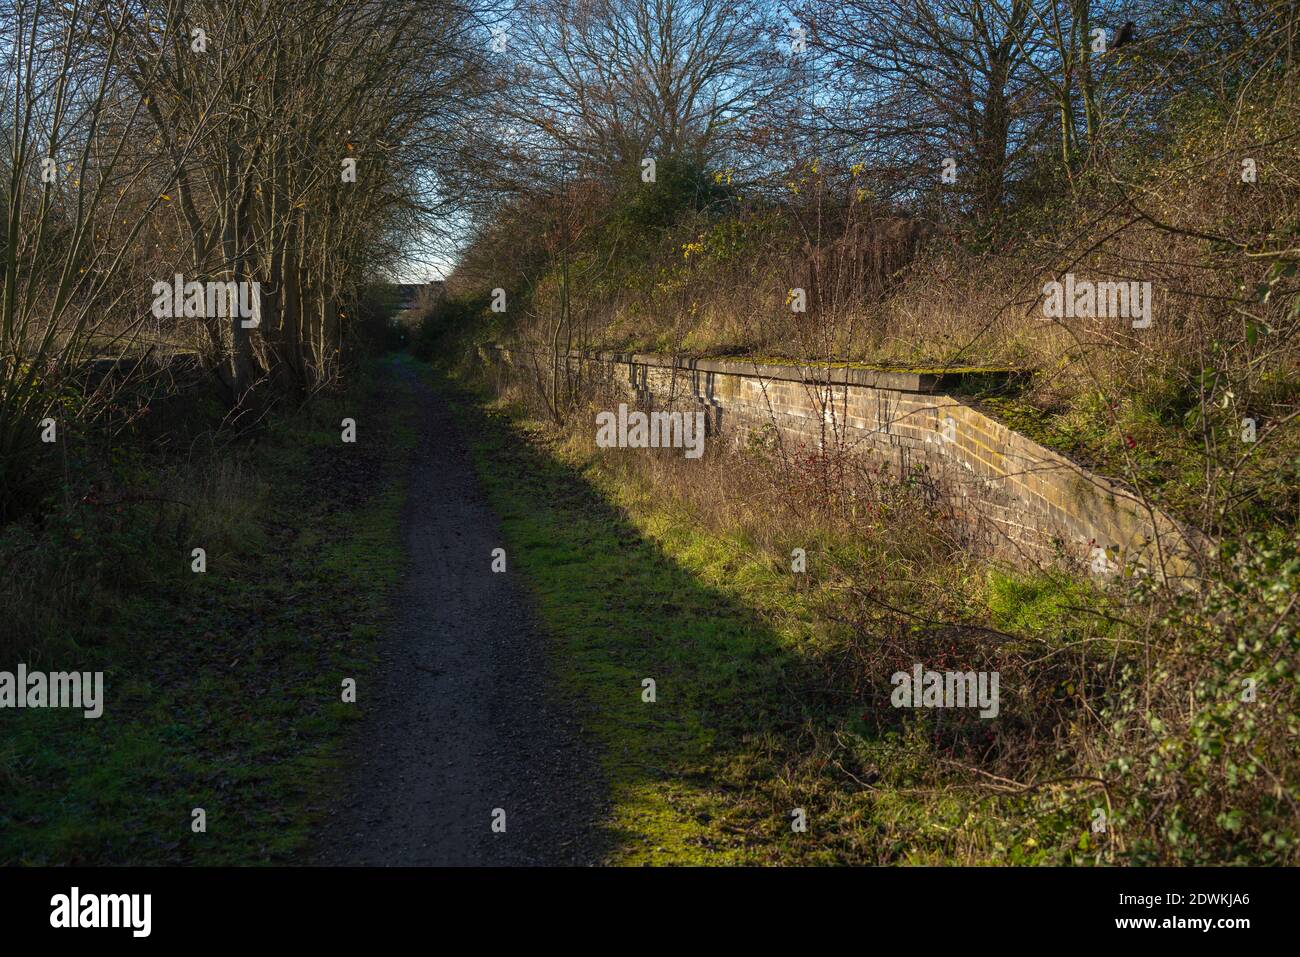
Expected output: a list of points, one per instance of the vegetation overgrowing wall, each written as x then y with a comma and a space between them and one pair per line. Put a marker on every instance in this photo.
1026, 500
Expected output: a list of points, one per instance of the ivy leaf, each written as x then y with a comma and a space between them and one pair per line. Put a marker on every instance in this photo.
1231, 820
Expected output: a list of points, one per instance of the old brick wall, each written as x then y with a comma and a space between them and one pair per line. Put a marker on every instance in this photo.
1027, 501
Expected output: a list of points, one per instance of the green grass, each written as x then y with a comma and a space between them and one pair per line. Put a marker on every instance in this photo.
624, 611
223, 690
1035, 604
750, 720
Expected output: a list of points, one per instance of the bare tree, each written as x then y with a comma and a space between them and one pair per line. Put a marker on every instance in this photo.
915, 83
78, 194
606, 83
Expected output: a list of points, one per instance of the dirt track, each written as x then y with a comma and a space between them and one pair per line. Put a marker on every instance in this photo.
460, 715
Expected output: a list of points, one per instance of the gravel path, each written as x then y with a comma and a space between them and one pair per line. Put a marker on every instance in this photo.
461, 717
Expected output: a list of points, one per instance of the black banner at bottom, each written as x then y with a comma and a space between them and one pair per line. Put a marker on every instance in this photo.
340, 905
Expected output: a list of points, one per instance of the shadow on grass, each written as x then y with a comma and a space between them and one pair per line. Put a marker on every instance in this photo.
699, 775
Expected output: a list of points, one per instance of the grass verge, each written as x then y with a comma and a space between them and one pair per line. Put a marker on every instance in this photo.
222, 689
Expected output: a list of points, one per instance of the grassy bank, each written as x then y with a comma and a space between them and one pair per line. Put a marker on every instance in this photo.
758, 710
222, 689
1120, 709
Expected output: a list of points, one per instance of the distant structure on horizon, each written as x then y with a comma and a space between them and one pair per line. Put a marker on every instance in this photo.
408, 292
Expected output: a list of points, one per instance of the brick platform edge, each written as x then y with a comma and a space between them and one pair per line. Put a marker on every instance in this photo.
1023, 501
